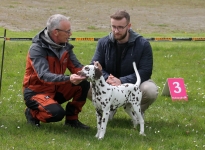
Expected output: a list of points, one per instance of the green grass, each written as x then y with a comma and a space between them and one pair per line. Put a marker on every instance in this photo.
169, 125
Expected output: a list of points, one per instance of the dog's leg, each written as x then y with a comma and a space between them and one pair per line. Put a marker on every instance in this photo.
112, 113
137, 111
134, 112
99, 120
103, 124
128, 109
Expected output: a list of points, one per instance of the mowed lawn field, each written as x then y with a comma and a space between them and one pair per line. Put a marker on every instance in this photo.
168, 124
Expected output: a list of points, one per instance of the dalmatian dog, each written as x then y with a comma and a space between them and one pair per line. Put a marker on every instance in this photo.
107, 98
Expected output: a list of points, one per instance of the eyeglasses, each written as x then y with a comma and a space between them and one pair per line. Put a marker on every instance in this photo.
68, 32
119, 28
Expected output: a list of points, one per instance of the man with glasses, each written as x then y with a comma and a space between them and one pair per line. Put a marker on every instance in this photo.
116, 53
45, 85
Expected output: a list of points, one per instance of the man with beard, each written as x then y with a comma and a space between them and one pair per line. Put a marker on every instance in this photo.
116, 53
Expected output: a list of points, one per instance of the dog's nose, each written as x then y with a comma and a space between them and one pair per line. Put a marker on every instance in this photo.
81, 73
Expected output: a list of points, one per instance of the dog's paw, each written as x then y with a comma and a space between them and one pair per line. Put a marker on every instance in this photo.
100, 138
143, 134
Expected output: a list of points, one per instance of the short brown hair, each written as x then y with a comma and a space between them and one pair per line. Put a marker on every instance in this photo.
120, 14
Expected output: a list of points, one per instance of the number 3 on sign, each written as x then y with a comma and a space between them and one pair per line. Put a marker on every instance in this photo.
177, 88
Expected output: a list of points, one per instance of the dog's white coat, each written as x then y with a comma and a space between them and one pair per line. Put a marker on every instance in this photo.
108, 98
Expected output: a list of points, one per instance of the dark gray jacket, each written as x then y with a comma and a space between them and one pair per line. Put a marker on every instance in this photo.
138, 50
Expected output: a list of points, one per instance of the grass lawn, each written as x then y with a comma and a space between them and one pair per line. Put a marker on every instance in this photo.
169, 125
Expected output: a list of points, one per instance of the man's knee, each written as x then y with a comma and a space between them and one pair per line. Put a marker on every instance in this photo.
149, 94
56, 111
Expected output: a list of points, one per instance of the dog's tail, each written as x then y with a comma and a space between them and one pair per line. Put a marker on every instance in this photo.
137, 74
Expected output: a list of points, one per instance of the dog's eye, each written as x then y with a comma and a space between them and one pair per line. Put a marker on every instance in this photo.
87, 68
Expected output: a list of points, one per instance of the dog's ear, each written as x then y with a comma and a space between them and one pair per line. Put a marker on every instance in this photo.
98, 73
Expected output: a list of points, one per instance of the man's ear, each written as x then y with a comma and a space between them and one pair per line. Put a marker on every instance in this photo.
129, 25
55, 32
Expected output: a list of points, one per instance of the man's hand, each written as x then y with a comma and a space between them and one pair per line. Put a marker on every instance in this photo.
76, 79
96, 63
113, 80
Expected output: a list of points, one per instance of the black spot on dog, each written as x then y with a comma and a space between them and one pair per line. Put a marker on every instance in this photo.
87, 68
111, 108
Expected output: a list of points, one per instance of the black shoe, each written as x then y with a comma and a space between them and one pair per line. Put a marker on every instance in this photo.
76, 124
30, 118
